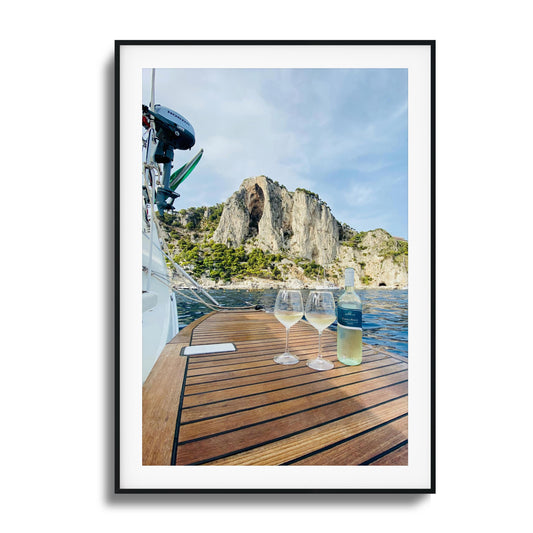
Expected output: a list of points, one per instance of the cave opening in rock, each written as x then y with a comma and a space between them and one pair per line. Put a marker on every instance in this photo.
382, 284
256, 204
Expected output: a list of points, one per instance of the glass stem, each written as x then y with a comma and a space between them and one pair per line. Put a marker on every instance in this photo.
286, 340
319, 345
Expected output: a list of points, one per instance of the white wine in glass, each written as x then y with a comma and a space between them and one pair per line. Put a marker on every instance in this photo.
288, 310
320, 313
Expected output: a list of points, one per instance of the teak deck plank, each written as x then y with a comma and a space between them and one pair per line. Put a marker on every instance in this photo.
396, 456
302, 384
275, 428
358, 450
294, 447
285, 399
240, 408
289, 376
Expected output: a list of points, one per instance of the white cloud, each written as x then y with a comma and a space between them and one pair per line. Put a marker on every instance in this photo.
339, 133
359, 195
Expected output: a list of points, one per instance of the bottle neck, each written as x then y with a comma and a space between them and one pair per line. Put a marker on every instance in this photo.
349, 288
349, 279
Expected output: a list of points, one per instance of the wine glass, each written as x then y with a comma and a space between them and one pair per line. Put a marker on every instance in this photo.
288, 310
320, 313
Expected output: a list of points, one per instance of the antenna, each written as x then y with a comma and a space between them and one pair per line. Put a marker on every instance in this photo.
152, 91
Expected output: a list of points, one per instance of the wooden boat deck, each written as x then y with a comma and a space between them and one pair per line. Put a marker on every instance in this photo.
241, 408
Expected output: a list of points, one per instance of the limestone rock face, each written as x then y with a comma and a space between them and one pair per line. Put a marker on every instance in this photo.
277, 220
264, 214
315, 230
233, 228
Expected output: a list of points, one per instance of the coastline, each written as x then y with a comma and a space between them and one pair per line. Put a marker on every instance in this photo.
262, 284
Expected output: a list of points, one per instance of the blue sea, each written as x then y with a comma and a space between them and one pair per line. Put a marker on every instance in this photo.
384, 312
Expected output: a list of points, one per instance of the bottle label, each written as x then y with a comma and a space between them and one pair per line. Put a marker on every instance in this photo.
351, 318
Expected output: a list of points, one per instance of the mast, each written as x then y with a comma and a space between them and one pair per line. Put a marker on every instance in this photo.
151, 192
152, 91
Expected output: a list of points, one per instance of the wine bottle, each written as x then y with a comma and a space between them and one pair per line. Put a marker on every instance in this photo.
349, 323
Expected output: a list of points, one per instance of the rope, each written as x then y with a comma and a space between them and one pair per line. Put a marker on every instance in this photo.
181, 293
195, 297
177, 270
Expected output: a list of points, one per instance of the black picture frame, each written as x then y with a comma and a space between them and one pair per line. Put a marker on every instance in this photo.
429, 46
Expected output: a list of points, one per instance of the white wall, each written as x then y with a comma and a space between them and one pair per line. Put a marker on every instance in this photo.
56, 390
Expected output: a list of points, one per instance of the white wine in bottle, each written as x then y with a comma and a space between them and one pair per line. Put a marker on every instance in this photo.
349, 323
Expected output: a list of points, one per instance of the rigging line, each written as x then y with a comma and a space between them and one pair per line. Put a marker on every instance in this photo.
171, 283
166, 252
181, 294
178, 269
178, 290
184, 276
184, 296
193, 296
180, 272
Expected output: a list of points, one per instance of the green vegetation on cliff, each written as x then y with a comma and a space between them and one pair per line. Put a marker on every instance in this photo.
189, 236
392, 247
218, 261
189, 239
203, 219
395, 248
354, 239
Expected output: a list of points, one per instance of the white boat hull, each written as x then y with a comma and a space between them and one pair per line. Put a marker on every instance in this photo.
160, 317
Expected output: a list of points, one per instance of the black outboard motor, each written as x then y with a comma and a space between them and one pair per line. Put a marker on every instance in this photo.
174, 132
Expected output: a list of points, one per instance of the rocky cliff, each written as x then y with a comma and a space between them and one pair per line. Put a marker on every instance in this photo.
276, 220
265, 235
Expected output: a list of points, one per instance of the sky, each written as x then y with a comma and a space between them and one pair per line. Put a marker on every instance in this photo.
341, 133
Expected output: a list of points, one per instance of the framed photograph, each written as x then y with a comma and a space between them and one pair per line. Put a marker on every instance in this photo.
275, 278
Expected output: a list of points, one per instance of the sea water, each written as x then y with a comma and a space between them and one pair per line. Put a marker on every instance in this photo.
384, 312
